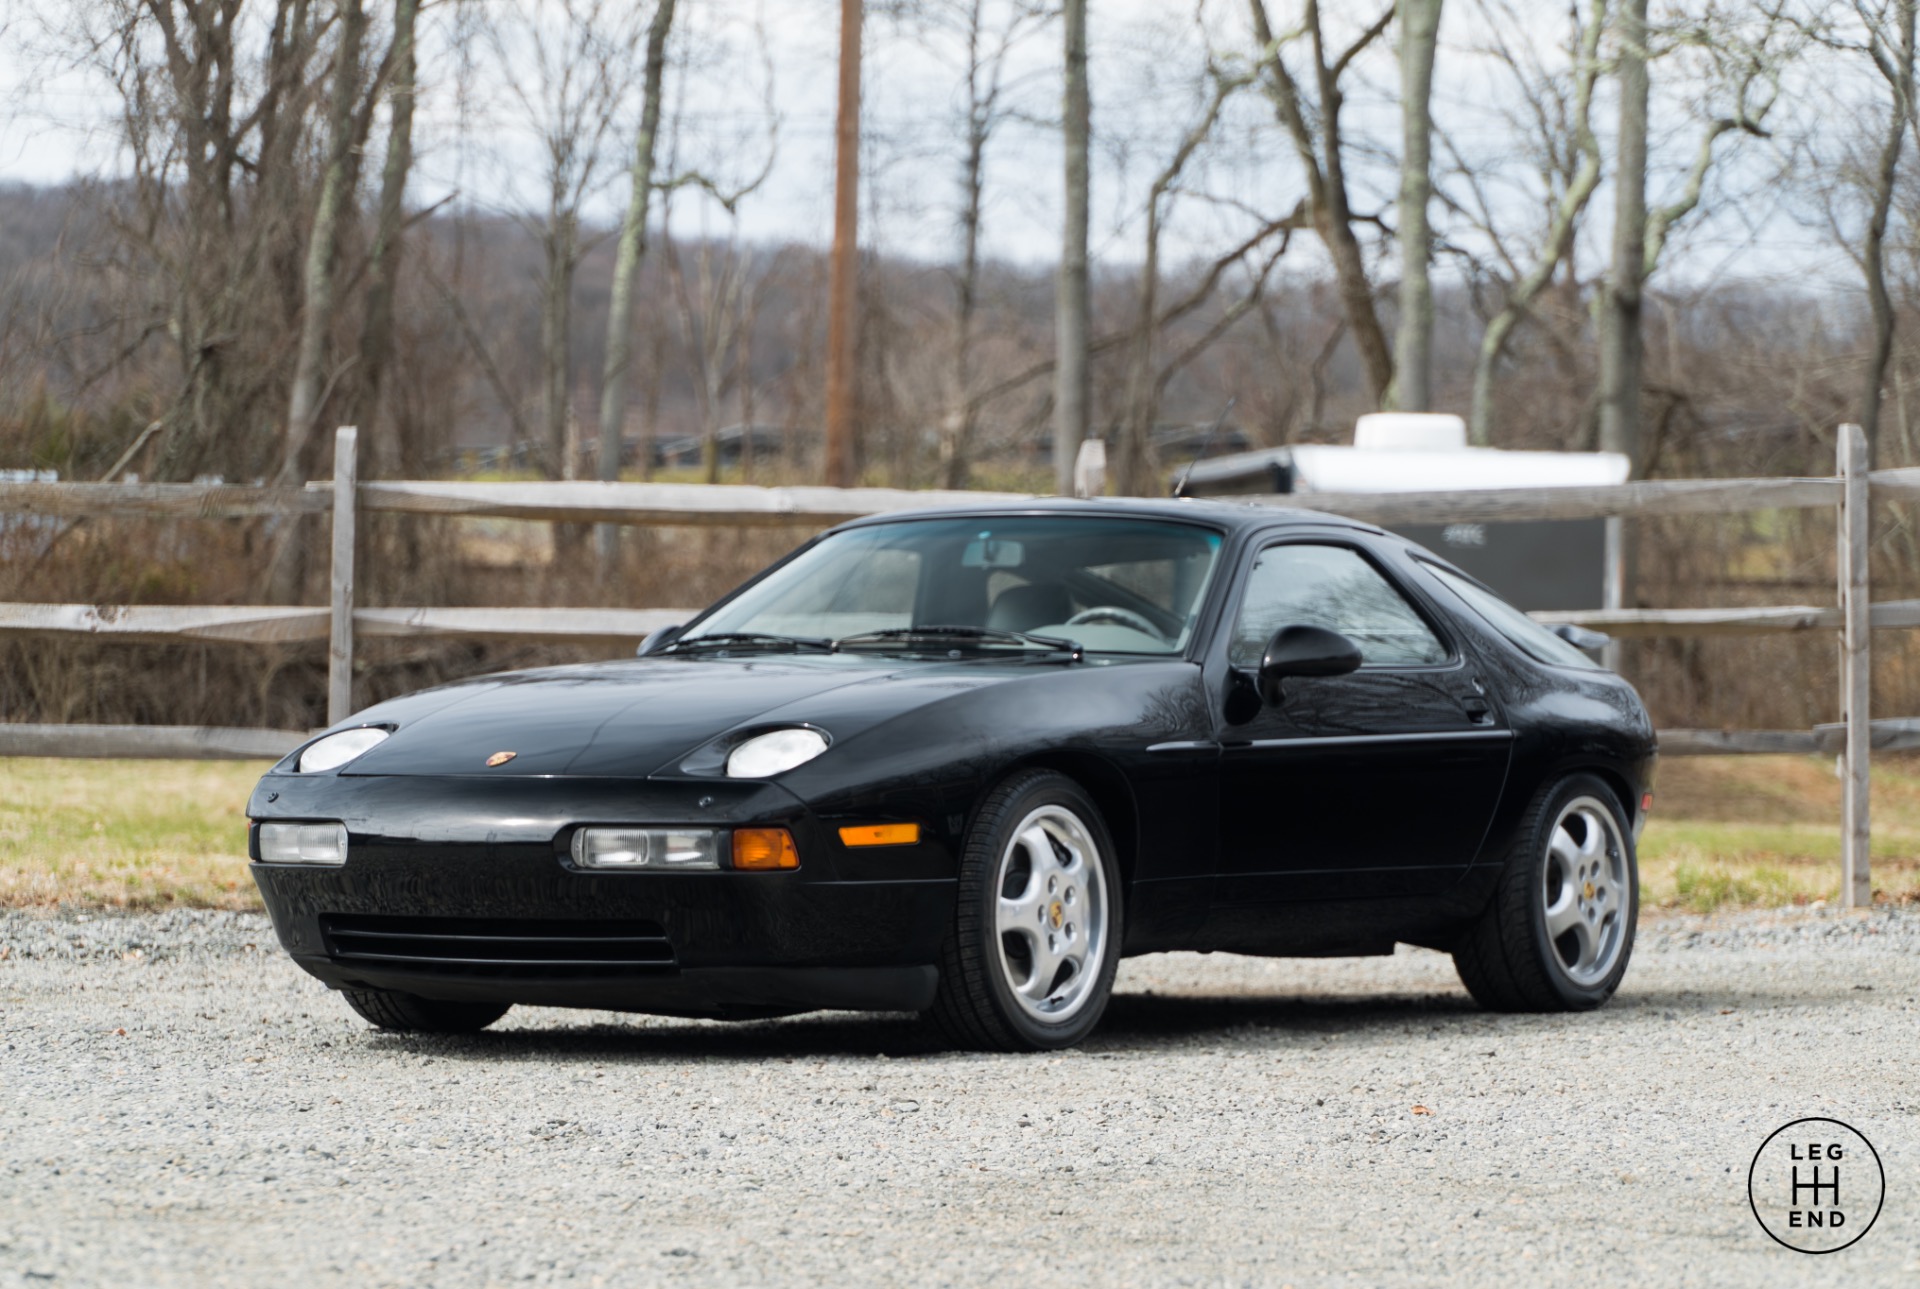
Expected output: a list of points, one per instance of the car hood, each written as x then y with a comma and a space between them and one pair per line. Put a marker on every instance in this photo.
633, 718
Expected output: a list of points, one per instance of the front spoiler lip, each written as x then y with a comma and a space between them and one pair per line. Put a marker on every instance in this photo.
700, 991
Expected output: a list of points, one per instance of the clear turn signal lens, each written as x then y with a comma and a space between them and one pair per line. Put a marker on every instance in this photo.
625, 849
303, 844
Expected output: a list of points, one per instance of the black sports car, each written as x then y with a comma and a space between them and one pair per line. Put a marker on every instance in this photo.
962, 762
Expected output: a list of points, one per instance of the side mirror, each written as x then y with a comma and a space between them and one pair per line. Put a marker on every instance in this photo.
1301, 650
1582, 637
658, 640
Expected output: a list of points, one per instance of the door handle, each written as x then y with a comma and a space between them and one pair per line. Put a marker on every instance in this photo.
1478, 710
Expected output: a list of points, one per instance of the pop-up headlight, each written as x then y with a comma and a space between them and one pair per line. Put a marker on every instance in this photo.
335, 750
775, 752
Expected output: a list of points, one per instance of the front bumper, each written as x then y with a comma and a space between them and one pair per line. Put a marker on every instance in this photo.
500, 916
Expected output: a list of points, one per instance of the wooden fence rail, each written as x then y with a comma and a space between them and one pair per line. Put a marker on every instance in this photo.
1848, 493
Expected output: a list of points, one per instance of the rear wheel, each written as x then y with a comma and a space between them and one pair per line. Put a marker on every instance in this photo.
1559, 931
1036, 939
409, 1012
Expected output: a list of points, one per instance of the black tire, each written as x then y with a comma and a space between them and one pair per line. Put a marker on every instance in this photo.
413, 1014
976, 1006
1510, 960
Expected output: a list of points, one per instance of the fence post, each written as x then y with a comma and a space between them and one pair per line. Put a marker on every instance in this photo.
1856, 671
340, 641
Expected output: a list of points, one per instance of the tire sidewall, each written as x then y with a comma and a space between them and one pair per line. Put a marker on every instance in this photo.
1574, 994
984, 850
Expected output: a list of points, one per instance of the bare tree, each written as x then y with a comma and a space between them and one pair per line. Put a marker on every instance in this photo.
1413, 346
566, 64
1133, 468
383, 268
319, 294
1889, 45
987, 33
632, 250
1570, 172
1749, 68
1314, 126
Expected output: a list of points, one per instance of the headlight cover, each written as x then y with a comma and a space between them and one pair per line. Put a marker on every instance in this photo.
335, 750
765, 755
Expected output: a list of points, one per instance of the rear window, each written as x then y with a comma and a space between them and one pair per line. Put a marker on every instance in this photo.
1527, 635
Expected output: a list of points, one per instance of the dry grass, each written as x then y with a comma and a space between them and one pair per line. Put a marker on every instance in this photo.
1727, 832
126, 834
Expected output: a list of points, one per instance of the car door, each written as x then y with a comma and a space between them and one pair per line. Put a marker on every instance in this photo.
1375, 784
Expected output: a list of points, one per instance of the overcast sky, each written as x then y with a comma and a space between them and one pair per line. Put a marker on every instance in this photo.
1147, 56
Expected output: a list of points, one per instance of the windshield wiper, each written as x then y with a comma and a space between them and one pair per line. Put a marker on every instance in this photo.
750, 639
977, 635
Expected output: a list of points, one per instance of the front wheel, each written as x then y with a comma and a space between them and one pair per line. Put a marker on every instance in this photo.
1030, 961
410, 1013
1559, 930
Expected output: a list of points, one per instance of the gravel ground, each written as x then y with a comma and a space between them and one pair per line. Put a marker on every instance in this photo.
180, 1105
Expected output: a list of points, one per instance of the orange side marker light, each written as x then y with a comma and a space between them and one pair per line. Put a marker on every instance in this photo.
880, 835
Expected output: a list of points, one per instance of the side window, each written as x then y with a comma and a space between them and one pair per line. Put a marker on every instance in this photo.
1336, 588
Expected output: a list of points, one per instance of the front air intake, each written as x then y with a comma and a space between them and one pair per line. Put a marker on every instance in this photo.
499, 948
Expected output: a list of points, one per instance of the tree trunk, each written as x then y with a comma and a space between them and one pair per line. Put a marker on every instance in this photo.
956, 434
556, 332
389, 455
626, 269
323, 245
1620, 337
842, 456
1133, 469
1873, 255
1413, 347
1072, 373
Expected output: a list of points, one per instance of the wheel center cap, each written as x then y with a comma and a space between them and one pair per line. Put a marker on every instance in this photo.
1589, 890
1056, 914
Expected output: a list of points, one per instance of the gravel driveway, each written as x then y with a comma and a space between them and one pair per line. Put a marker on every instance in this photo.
180, 1105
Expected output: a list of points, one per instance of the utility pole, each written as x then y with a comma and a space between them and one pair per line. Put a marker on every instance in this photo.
844, 268
1072, 379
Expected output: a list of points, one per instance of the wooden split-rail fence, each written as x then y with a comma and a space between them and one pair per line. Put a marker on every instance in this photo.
1853, 617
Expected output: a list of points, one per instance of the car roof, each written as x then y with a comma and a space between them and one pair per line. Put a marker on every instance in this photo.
1230, 515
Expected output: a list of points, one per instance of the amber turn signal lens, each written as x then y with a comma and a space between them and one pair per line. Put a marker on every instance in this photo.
763, 849
881, 835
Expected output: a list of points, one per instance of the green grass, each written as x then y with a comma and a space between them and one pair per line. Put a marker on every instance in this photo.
1727, 833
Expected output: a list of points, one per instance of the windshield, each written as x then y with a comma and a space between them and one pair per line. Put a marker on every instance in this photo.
1112, 585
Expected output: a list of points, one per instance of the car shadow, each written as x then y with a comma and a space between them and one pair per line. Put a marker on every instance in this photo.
1135, 1023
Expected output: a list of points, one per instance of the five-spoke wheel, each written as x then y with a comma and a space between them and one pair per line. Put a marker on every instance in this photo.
1051, 912
1035, 943
1558, 932
1585, 890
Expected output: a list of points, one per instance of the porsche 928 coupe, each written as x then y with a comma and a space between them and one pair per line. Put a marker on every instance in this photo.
962, 762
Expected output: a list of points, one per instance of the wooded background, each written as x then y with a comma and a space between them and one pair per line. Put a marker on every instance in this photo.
1484, 206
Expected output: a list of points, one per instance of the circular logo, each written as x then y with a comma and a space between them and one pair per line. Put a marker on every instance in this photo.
1816, 1185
